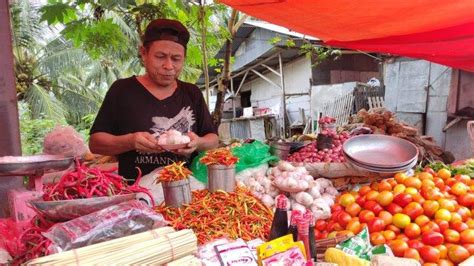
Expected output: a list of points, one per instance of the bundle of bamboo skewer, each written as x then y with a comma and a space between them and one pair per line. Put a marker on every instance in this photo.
158, 246
323, 244
188, 261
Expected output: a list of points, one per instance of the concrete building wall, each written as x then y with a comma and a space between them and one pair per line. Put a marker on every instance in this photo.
417, 91
296, 79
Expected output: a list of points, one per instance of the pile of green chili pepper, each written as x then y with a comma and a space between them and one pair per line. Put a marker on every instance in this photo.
222, 214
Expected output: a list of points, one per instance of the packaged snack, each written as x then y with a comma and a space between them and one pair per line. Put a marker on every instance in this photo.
342, 258
292, 257
236, 253
356, 245
377, 250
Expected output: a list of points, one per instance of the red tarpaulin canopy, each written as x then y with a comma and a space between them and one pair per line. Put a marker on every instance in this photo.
441, 31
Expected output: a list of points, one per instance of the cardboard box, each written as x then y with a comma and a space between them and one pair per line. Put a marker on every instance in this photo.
18, 202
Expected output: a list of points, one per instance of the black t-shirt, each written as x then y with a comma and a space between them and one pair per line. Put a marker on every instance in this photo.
129, 107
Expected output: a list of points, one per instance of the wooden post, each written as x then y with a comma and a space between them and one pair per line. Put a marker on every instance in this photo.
9, 126
282, 81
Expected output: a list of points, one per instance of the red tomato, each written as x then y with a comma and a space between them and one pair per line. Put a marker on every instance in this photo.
354, 226
361, 200
415, 243
413, 209
394, 208
443, 225
429, 254
343, 218
393, 228
336, 207
376, 225
388, 235
459, 226
466, 200
366, 216
430, 207
470, 248
402, 199
430, 227
320, 225
443, 251
445, 263
398, 247
373, 206
364, 190
467, 236
323, 235
412, 254
464, 212
377, 239
457, 253
353, 209
412, 230
451, 236
432, 238
386, 217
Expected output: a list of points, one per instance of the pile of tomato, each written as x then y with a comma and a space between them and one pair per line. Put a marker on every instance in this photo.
427, 216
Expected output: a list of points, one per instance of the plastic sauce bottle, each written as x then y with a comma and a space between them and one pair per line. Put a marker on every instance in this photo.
279, 226
293, 229
312, 240
303, 236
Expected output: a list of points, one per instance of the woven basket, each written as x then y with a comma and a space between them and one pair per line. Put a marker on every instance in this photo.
348, 182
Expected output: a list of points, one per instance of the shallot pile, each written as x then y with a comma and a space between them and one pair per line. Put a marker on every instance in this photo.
305, 192
311, 154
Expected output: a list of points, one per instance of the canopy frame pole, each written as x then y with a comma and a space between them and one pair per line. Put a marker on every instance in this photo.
10, 136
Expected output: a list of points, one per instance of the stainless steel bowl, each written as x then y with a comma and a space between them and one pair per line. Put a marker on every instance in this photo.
63, 210
385, 170
380, 151
33, 165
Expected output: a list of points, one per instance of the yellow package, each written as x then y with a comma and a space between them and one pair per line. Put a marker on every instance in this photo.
341, 258
278, 245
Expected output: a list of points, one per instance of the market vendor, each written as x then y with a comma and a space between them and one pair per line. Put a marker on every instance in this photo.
136, 110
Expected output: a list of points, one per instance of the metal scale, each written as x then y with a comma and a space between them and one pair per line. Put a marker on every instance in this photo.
35, 167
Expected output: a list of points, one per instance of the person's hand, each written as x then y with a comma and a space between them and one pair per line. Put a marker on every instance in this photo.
145, 142
192, 145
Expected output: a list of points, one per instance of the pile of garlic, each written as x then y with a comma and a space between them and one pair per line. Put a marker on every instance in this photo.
172, 137
306, 193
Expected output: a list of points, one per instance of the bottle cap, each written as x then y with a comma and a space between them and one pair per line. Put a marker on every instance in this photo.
281, 201
295, 215
309, 215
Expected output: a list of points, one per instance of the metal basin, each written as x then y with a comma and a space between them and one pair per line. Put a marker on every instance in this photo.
385, 170
33, 165
64, 210
380, 151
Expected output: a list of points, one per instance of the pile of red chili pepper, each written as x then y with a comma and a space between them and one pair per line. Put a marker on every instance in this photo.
173, 172
31, 243
84, 182
219, 156
221, 214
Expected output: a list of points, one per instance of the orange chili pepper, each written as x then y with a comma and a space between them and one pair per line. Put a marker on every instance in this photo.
173, 172
213, 215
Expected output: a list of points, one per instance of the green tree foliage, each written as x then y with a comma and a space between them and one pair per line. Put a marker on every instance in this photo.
68, 53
